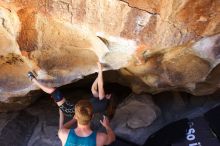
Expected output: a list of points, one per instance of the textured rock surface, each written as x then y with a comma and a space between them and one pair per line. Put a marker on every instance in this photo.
130, 112
161, 45
133, 115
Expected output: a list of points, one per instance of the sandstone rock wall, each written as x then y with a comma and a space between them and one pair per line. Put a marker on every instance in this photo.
158, 45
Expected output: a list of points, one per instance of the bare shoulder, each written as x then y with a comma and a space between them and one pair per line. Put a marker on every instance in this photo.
63, 134
101, 138
63, 131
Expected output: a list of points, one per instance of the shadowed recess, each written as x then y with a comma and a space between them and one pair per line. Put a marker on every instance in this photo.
19, 130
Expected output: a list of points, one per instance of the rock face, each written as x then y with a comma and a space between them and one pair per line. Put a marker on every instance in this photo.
157, 45
189, 67
133, 115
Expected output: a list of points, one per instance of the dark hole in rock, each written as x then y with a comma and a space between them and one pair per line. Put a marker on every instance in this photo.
82, 89
85, 84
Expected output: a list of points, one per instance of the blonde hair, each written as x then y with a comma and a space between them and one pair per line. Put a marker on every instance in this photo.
83, 112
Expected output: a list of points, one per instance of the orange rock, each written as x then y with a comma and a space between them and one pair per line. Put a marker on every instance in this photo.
139, 54
59, 39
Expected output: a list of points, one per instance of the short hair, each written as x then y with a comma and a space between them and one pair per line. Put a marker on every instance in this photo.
83, 112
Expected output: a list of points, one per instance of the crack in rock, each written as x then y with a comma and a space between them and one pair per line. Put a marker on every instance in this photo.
151, 13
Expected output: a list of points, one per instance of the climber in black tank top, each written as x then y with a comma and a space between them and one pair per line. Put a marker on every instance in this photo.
99, 98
